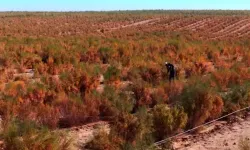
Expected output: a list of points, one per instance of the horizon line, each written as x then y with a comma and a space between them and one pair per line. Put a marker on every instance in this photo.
124, 10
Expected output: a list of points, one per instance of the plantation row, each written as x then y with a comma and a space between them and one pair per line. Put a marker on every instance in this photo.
205, 26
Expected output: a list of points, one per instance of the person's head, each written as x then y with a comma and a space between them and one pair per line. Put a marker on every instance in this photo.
166, 63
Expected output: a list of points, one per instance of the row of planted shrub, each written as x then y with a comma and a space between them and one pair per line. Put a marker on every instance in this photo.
63, 91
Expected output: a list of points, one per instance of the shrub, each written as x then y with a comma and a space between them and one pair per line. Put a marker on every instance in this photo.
42, 114
90, 57
4, 108
152, 75
19, 135
133, 74
47, 116
159, 96
142, 96
105, 54
222, 79
15, 89
127, 132
102, 141
168, 120
200, 103
127, 127
238, 97
145, 138
107, 110
247, 59
119, 100
174, 43
36, 93
112, 74
173, 90
75, 114
226, 78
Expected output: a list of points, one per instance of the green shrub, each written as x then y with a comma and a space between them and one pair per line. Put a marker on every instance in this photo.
201, 103
22, 135
102, 141
168, 120
105, 54
127, 127
112, 74
174, 43
146, 139
238, 97
120, 101
127, 132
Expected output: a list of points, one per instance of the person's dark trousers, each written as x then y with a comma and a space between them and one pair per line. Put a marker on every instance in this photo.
171, 76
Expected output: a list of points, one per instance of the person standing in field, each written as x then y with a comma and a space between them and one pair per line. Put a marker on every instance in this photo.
171, 71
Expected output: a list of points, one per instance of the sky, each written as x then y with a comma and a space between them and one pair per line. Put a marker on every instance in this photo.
105, 5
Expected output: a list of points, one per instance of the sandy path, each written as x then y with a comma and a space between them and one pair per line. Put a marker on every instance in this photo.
133, 24
225, 138
140, 23
84, 134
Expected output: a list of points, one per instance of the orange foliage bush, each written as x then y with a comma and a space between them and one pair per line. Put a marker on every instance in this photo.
48, 116
225, 78
173, 90
90, 57
42, 114
142, 97
152, 75
15, 89
159, 96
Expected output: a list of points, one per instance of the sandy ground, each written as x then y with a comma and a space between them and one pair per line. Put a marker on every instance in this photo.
221, 136
133, 24
137, 23
84, 134
217, 136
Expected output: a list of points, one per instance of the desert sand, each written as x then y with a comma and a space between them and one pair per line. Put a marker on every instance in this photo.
218, 136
